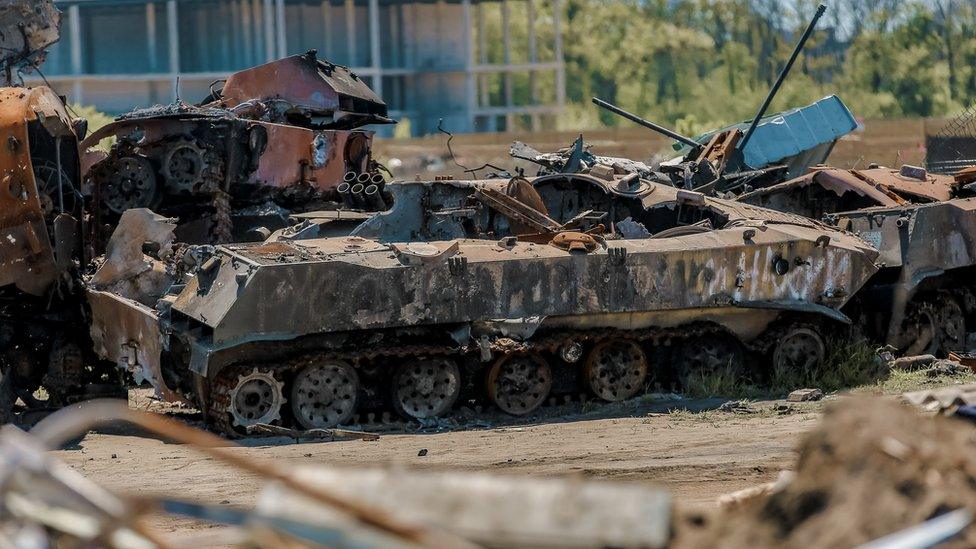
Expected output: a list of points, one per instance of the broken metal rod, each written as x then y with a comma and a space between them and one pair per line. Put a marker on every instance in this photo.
646, 123
782, 76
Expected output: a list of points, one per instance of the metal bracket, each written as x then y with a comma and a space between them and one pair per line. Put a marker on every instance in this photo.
617, 255
457, 264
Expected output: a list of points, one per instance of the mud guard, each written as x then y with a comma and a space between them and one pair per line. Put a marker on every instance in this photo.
800, 307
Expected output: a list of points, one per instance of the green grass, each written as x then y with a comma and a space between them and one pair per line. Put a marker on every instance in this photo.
902, 381
849, 363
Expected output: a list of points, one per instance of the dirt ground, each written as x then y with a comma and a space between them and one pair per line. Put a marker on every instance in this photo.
696, 451
699, 449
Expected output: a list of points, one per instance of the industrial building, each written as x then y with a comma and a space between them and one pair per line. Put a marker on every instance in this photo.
479, 65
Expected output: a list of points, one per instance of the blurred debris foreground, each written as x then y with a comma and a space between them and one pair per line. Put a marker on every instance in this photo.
45, 503
875, 473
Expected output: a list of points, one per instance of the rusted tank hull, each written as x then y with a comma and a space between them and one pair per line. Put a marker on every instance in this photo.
928, 259
456, 287
922, 301
382, 286
276, 139
32, 121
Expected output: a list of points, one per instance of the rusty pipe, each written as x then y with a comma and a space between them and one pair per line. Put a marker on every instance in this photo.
358, 195
374, 199
345, 194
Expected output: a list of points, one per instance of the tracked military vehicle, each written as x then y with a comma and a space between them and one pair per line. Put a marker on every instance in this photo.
503, 290
922, 300
280, 138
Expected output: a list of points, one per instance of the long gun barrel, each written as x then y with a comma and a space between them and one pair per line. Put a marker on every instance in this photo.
646, 123
782, 76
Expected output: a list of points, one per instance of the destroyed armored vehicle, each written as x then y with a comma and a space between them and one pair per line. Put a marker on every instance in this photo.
279, 138
503, 290
42, 228
922, 300
723, 163
727, 162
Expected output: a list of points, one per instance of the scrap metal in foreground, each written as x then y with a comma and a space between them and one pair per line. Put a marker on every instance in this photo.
44, 503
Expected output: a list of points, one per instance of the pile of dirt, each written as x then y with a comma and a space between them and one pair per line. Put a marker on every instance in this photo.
872, 467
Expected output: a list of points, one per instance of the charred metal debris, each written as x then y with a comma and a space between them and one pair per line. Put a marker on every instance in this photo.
245, 255
284, 137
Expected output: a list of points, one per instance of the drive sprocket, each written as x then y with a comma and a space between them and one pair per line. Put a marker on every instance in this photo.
256, 398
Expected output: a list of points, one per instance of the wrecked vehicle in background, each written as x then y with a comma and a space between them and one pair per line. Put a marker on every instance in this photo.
726, 162
923, 299
29, 28
507, 291
275, 139
732, 160
42, 228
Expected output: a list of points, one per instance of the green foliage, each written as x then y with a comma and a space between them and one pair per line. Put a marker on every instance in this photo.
850, 362
96, 119
699, 64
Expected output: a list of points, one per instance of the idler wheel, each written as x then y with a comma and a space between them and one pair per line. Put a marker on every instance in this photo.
616, 369
325, 395
710, 361
256, 399
518, 384
426, 388
798, 354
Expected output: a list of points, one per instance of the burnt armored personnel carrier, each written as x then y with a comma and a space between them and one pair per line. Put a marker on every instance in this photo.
922, 300
504, 290
272, 140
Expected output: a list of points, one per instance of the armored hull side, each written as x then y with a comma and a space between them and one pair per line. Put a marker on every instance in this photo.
288, 290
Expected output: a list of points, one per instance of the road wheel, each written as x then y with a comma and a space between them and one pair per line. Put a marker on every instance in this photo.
325, 395
518, 384
426, 387
952, 324
616, 369
712, 362
797, 355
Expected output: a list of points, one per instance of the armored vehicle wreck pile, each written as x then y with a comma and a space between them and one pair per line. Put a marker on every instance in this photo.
509, 291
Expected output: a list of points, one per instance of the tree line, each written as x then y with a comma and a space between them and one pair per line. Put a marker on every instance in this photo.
698, 64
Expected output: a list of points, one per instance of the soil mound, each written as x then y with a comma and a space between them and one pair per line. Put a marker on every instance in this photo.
871, 468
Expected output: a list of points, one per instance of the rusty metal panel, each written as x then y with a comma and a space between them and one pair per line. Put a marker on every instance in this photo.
318, 158
311, 87
128, 334
910, 183
26, 257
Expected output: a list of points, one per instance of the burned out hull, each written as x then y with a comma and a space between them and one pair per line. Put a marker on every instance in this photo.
490, 300
276, 139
